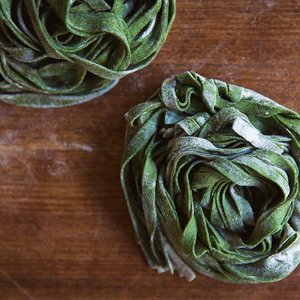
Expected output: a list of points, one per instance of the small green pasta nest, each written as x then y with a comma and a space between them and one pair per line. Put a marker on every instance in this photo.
63, 52
210, 173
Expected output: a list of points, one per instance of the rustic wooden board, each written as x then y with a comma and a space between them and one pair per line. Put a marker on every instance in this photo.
65, 232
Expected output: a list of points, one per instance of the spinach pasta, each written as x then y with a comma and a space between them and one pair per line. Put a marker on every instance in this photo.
210, 172
63, 52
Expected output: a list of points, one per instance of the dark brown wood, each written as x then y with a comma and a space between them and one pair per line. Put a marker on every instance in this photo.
65, 232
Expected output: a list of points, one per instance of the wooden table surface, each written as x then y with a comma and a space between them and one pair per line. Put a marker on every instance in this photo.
65, 232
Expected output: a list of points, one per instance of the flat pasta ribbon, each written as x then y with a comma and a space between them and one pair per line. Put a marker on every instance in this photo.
210, 173
63, 52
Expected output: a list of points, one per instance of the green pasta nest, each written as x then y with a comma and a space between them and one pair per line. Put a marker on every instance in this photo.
63, 52
210, 173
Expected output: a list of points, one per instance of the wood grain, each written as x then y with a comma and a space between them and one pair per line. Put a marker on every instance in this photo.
65, 232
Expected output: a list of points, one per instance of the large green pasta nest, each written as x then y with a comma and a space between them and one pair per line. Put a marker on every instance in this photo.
210, 173
62, 52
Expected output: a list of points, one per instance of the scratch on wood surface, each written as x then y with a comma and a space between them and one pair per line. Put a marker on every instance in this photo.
81, 147
16, 285
28, 167
97, 226
79, 163
66, 145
